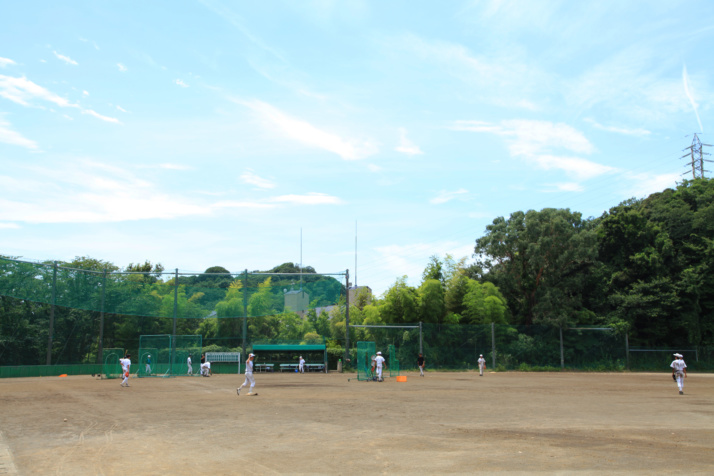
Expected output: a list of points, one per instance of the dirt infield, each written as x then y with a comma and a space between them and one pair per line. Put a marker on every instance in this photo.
447, 422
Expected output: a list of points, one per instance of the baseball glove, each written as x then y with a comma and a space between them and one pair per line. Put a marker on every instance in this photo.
674, 377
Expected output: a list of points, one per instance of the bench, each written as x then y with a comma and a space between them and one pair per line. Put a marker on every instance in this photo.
264, 367
308, 367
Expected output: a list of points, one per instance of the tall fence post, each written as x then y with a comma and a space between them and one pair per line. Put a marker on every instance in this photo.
627, 351
347, 316
52, 313
245, 314
173, 335
100, 354
493, 345
421, 341
562, 356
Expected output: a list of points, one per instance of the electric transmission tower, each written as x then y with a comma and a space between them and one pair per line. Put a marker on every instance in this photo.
696, 154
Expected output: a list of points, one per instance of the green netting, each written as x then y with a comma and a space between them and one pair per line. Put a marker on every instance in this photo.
393, 362
111, 368
159, 348
166, 295
366, 353
50, 370
187, 345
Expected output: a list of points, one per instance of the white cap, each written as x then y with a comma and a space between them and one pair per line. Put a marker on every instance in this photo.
678, 355
379, 353
480, 355
251, 355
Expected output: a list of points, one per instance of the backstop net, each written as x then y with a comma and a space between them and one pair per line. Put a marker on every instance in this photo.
187, 346
111, 368
366, 353
393, 363
167, 356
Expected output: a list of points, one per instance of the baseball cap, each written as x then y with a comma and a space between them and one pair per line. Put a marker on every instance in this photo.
480, 355
379, 353
251, 355
678, 355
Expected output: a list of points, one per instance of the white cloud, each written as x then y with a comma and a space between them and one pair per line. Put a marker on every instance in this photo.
66, 59
685, 80
312, 198
9, 136
85, 93
251, 178
180, 83
308, 134
405, 145
121, 67
23, 91
619, 130
9, 226
88, 192
567, 187
6, 62
122, 109
373, 167
101, 117
537, 141
240, 204
646, 184
445, 196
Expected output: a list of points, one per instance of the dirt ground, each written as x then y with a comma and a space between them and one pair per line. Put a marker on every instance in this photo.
446, 422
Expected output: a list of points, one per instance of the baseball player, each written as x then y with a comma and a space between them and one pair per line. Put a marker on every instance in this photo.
248, 375
679, 371
481, 365
148, 365
125, 366
206, 369
301, 365
420, 364
379, 361
188, 362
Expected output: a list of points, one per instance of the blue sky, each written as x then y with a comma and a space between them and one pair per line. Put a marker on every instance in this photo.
204, 133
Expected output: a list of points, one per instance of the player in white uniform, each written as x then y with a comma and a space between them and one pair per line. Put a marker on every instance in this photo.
190, 368
481, 365
301, 365
206, 369
148, 365
248, 375
679, 371
380, 363
125, 367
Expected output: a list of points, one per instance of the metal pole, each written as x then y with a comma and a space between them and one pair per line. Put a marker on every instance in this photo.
100, 354
52, 313
627, 351
493, 345
347, 317
421, 349
245, 314
562, 357
173, 335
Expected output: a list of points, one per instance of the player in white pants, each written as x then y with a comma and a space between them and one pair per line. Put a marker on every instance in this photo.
248, 375
190, 368
125, 366
380, 363
148, 365
679, 371
301, 365
481, 365
206, 369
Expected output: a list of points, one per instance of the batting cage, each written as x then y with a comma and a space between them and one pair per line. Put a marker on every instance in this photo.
111, 368
165, 355
366, 353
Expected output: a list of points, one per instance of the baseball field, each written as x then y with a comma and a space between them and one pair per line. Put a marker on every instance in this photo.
444, 423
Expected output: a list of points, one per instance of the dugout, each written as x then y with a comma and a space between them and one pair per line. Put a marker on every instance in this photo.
284, 357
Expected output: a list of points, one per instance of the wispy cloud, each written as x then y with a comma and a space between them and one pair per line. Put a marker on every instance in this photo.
66, 59
312, 198
537, 141
9, 226
565, 187
6, 62
619, 130
446, 195
9, 136
85, 93
88, 192
23, 91
101, 117
94, 43
241, 204
180, 83
122, 109
685, 80
306, 133
373, 167
251, 178
122, 68
405, 145
645, 184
